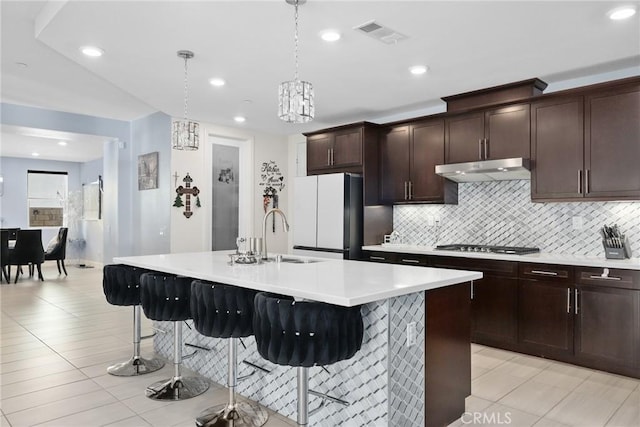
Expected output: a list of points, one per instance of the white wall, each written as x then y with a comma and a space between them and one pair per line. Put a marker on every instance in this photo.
150, 209
193, 234
297, 167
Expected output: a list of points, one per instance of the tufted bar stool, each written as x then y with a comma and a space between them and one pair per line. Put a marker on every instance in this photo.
223, 311
121, 286
305, 334
165, 297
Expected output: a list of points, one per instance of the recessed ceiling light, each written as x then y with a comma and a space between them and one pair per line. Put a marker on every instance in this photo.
34, 154
217, 82
622, 12
330, 35
239, 119
62, 143
92, 51
418, 69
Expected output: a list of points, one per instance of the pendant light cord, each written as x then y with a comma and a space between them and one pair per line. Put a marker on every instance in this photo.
296, 39
186, 88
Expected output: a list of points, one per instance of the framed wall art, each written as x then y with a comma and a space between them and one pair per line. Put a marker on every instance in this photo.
148, 171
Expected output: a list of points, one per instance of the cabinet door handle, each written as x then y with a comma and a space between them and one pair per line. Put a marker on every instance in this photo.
569, 300
333, 158
586, 181
411, 261
480, 149
544, 273
406, 191
472, 289
410, 190
579, 181
486, 149
377, 258
605, 278
328, 156
575, 301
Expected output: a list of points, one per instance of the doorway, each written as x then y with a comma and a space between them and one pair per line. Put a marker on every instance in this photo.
225, 196
229, 161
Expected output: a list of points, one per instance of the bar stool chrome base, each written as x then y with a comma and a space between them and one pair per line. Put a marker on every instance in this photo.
177, 388
135, 366
242, 414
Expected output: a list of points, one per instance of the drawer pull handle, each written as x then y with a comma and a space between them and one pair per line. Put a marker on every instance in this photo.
544, 273
604, 278
411, 261
377, 258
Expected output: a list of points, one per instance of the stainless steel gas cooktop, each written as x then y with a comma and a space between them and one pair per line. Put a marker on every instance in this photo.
511, 250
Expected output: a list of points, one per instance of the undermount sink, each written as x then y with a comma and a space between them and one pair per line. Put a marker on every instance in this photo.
293, 260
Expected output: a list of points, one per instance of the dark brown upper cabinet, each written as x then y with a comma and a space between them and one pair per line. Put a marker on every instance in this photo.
586, 146
612, 144
350, 148
333, 151
408, 156
557, 147
498, 133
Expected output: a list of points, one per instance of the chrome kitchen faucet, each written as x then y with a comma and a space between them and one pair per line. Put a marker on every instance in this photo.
285, 226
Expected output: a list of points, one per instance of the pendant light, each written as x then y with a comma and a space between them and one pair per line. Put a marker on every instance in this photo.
185, 134
295, 97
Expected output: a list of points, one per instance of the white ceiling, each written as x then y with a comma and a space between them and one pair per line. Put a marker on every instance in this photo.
18, 141
467, 46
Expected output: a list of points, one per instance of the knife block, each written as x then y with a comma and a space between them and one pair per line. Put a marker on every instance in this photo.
618, 253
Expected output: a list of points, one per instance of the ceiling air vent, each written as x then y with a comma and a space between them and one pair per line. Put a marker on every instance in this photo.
381, 33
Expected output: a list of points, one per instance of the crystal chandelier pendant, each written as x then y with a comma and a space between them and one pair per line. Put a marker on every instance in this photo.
295, 101
185, 134
295, 97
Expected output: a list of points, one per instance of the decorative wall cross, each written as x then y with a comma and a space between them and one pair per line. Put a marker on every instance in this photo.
188, 191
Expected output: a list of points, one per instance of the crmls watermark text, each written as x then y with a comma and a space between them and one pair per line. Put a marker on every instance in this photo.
486, 418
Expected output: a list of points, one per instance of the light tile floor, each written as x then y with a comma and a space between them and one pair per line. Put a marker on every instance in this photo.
57, 338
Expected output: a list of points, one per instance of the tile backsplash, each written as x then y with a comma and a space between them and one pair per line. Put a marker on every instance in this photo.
501, 213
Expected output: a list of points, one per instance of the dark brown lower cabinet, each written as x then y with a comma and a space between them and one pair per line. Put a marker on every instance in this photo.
494, 308
545, 320
607, 316
494, 299
582, 315
545, 309
608, 328
447, 354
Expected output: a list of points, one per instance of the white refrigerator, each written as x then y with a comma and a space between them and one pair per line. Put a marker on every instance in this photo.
327, 218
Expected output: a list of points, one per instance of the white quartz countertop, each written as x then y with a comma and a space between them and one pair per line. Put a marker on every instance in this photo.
542, 257
340, 282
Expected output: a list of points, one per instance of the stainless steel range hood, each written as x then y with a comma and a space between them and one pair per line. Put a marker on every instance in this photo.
486, 170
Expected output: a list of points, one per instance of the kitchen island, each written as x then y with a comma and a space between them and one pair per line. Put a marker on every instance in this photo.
390, 381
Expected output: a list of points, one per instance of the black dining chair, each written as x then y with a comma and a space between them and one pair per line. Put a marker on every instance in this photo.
59, 251
4, 256
13, 232
27, 251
